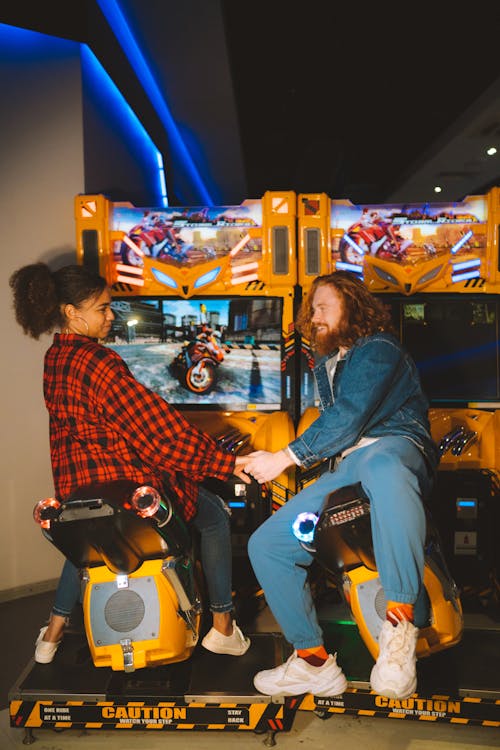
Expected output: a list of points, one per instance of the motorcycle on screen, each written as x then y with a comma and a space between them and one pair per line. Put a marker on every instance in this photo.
380, 240
195, 366
154, 238
377, 237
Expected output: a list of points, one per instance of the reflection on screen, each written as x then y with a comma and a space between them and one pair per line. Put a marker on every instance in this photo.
455, 346
222, 353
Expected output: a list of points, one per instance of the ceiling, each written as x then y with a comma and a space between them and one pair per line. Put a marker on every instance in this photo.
364, 103
371, 103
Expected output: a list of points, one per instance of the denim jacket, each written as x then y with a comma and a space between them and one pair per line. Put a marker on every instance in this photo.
376, 392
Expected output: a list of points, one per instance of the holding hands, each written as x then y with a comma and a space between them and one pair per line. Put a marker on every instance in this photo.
263, 465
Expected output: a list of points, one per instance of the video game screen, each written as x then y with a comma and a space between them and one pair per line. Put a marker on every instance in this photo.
454, 342
213, 352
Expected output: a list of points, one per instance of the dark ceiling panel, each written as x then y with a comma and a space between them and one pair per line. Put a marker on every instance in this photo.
352, 100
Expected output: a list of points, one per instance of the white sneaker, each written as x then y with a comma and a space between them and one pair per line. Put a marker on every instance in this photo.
395, 672
44, 650
296, 677
235, 645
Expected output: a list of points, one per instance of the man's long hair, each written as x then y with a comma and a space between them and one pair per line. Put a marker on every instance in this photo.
364, 314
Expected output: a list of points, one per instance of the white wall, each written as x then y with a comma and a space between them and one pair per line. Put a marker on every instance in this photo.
41, 158
50, 151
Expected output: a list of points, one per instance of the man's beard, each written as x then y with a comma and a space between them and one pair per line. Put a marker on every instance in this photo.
326, 343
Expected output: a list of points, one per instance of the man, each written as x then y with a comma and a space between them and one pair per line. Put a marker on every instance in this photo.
373, 418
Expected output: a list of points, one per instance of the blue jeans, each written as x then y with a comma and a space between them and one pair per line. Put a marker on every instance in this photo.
395, 477
212, 521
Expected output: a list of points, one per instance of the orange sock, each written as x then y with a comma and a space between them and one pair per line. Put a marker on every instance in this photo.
398, 611
314, 656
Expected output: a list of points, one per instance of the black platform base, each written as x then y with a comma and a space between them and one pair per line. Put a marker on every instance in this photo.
209, 691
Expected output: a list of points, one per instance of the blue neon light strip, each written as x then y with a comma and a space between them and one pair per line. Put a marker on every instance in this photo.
461, 242
121, 30
348, 267
353, 244
104, 93
18, 44
35, 48
466, 503
163, 183
466, 264
464, 276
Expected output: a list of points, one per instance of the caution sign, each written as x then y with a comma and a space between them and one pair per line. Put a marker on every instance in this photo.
273, 717
468, 710
145, 715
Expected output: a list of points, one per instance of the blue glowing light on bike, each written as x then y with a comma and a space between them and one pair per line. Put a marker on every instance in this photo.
304, 525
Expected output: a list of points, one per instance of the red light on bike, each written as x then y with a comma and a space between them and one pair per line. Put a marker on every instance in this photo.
45, 510
145, 501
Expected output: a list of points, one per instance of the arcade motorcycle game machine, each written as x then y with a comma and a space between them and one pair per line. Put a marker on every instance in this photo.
203, 301
438, 268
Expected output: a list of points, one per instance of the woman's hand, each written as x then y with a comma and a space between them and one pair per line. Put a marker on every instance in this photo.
239, 469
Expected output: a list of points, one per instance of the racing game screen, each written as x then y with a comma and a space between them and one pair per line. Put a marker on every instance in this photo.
218, 353
454, 343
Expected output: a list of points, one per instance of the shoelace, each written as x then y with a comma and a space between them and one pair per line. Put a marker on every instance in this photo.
289, 662
239, 635
397, 615
399, 646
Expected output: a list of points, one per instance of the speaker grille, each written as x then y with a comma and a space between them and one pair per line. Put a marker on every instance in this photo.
280, 250
90, 249
498, 246
380, 603
312, 251
124, 611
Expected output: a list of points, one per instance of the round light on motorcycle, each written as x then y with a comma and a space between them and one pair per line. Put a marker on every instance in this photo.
304, 525
45, 510
145, 501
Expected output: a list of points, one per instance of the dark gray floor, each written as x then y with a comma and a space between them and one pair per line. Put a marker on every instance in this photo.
20, 622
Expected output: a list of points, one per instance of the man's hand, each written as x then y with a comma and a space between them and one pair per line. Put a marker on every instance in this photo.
264, 465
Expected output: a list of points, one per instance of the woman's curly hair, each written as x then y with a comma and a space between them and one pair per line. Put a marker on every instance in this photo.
40, 292
364, 313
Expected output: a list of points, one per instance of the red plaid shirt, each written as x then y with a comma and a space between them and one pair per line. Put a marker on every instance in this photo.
106, 425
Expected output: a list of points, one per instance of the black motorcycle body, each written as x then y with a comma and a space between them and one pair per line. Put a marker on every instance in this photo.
340, 539
140, 586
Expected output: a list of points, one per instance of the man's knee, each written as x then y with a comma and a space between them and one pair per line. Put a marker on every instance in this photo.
260, 543
384, 467
255, 545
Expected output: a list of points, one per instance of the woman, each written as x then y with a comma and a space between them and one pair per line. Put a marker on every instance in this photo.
105, 425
